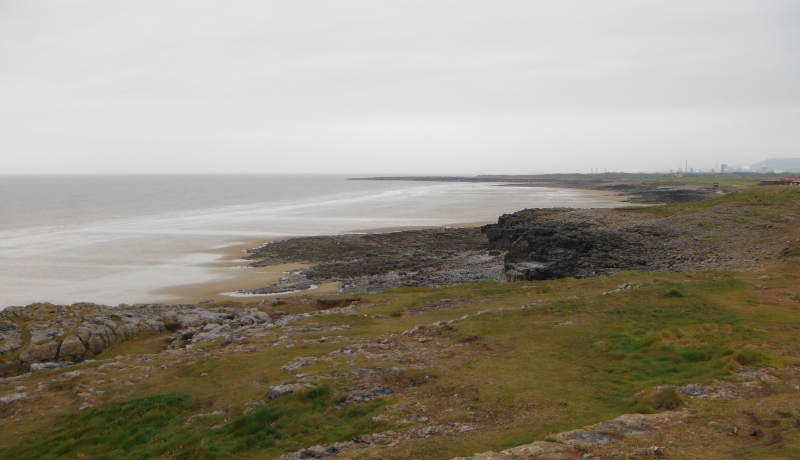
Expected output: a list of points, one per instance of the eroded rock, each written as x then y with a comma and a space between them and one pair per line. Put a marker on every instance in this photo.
278, 391
96, 337
295, 364
71, 347
47, 351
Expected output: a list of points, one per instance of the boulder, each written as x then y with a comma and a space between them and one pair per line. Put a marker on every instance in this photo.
8, 345
153, 327
282, 390
544, 451
260, 317
127, 331
8, 399
365, 396
10, 337
35, 367
96, 337
71, 347
47, 351
43, 335
295, 364
199, 317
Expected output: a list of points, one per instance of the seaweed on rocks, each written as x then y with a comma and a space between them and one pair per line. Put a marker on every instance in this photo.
374, 262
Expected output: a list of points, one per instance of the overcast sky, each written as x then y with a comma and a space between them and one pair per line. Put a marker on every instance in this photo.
459, 87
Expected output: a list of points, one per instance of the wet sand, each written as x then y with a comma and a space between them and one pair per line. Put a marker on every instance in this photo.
234, 274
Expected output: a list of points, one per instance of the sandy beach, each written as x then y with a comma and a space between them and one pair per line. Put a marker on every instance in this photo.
235, 274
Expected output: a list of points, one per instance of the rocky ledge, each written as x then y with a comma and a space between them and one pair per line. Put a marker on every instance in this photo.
369, 263
47, 336
541, 244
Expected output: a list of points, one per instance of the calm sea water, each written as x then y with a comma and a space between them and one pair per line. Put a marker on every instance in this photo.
113, 239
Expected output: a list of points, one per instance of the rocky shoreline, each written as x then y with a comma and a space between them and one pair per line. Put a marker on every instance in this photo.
533, 244
373, 262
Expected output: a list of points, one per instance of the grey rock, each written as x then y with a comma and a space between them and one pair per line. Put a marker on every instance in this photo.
365, 396
200, 317
71, 347
233, 339
7, 326
109, 365
70, 375
127, 331
43, 335
8, 345
245, 321
757, 374
47, 351
582, 438
96, 337
8, 399
100, 320
541, 451
318, 452
278, 391
49, 366
154, 327
295, 364
700, 391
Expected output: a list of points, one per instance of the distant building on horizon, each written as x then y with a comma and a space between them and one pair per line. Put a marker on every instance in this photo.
784, 181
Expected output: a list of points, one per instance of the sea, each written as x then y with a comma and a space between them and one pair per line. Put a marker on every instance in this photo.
113, 239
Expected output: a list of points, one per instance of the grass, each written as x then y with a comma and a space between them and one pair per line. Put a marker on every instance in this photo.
176, 426
769, 202
576, 355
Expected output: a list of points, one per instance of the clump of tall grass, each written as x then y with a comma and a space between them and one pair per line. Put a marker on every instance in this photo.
648, 402
674, 294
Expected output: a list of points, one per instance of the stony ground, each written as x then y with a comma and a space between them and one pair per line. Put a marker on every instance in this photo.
377, 261
431, 360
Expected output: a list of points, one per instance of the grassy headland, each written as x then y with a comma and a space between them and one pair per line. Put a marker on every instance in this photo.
440, 372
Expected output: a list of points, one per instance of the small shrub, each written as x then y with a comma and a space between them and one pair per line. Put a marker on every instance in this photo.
674, 294
471, 339
750, 357
668, 398
792, 250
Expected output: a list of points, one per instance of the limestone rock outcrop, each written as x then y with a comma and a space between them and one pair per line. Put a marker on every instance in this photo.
71, 347
47, 351
96, 337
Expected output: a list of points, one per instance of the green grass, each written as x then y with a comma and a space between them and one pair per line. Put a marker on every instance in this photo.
159, 427
648, 402
769, 202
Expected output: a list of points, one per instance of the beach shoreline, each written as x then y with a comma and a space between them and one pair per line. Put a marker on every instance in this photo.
234, 274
